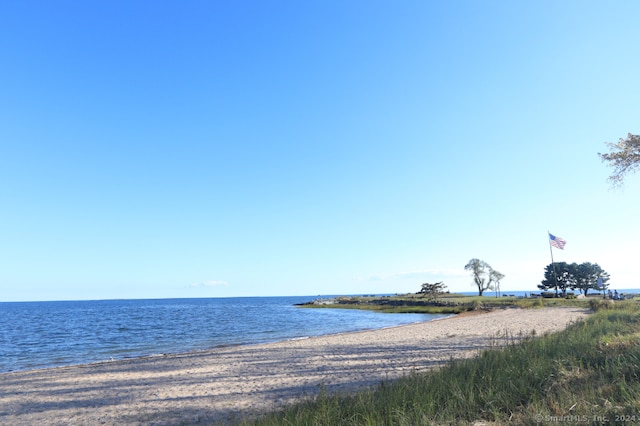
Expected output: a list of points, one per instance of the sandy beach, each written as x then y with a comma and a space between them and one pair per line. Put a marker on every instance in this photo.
227, 383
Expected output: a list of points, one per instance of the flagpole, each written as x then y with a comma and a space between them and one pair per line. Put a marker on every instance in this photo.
555, 274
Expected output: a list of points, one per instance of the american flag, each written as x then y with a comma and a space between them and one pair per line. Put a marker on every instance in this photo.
557, 242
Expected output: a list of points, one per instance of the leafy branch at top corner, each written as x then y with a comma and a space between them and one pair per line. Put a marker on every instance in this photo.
623, 157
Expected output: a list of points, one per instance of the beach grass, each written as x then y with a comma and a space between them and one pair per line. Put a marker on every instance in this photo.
587, 373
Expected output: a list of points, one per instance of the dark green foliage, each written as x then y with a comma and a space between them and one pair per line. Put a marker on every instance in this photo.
432, 291
582, 277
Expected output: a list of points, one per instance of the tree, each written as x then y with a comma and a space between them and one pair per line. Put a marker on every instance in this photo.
624, 157
586, 277
432, 291
484, 276
496, 277
557, 275
583, 277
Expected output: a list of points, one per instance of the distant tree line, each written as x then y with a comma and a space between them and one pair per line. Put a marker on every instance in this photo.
558, 276
562, 276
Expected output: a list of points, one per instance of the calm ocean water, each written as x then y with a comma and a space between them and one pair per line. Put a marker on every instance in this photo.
50, 334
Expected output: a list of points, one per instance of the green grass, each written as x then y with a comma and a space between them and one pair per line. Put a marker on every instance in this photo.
447, 304
584, 374
400, 309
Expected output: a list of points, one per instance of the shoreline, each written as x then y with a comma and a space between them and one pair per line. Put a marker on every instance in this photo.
221, 347
222, 384
124, 329
225, 346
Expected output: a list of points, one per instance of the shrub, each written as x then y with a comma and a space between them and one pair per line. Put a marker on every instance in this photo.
599, 304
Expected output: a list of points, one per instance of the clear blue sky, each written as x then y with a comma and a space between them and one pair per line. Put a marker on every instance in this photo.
209, 149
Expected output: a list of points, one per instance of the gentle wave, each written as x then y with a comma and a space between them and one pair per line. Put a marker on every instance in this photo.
49, 334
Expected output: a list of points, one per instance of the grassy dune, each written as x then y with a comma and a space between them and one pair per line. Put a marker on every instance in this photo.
587, 374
